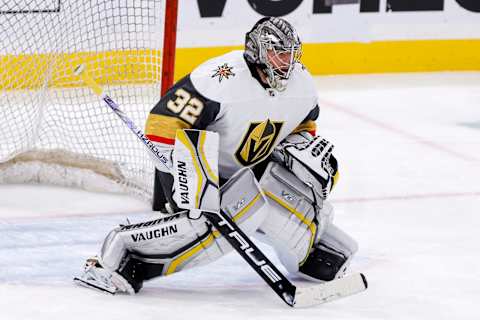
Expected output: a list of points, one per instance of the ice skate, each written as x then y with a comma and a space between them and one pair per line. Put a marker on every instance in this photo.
96, 277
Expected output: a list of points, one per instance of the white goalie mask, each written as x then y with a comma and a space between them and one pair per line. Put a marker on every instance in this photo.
274, 44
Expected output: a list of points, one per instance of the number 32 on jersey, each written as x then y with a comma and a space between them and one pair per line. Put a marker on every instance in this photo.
187, 108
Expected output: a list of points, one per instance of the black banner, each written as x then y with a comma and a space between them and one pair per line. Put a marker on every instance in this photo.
470, 5
415, 5
274, 8
211, 8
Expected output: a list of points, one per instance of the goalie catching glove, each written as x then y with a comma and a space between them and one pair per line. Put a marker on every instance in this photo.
310, 159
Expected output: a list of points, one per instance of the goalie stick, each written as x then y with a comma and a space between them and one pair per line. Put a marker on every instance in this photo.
289, 293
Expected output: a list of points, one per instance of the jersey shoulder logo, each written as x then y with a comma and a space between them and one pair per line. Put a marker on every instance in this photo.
223, 71
258, 142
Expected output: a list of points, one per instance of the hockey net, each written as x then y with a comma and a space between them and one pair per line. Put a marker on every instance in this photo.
54, 130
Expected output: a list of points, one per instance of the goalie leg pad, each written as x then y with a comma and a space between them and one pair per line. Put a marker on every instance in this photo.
330, 257
170, 244
296, 216
142, 250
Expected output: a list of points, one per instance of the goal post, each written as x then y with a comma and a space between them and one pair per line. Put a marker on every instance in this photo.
169, 43
54, 130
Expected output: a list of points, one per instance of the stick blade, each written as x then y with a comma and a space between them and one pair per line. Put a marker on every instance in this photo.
330, 291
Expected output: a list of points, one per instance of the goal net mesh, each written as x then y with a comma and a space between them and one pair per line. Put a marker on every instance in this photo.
54, 130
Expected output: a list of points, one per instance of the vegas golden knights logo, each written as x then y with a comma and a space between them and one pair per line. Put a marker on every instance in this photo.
258, 142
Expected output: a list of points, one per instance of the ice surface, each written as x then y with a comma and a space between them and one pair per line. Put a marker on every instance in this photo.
409, 152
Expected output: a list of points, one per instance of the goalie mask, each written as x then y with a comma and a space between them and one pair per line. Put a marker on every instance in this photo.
274, 45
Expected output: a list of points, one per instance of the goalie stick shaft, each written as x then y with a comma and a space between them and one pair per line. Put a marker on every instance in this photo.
95, 87
231, 232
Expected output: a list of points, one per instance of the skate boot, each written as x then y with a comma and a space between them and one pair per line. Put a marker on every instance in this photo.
96, 277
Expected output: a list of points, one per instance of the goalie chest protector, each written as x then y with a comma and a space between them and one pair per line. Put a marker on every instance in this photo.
251, 120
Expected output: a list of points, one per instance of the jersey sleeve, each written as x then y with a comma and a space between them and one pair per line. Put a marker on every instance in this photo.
309, 124
182, 107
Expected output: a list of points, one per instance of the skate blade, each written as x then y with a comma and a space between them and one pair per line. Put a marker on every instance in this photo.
90, 285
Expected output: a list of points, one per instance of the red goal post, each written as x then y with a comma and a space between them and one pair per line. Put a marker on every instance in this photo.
169, 45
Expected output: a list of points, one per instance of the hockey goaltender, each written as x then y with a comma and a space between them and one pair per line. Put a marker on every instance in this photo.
274, 172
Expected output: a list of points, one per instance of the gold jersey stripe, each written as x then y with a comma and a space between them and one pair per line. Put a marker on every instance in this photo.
311, 226
310, 125
164, 126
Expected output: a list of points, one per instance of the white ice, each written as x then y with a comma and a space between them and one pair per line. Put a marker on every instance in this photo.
409, 152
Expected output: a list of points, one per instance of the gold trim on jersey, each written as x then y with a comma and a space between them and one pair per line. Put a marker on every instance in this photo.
164, 126
258, 142
309, 125
309, 223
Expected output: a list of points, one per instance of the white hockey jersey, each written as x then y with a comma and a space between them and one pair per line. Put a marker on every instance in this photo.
224, 95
